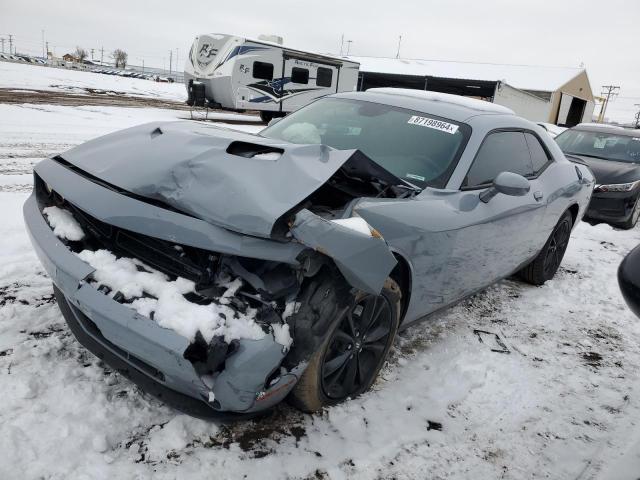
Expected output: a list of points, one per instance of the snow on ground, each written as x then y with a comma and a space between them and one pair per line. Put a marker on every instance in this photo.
30, 132
23, 76
563, 404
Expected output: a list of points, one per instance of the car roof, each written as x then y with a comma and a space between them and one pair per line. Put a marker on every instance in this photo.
603, 128
454, 107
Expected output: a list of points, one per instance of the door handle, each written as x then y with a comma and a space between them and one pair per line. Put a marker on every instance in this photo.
538, 196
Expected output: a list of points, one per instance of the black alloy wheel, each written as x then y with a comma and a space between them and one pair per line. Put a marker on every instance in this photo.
357, 347
546, 263
556, 248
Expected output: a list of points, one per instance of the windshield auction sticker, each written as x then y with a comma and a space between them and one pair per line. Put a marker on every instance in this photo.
435, 124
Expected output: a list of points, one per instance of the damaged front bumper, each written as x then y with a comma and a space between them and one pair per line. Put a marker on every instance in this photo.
150, 355
253, 376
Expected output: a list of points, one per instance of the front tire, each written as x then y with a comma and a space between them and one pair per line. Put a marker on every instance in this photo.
352, 352
546, 264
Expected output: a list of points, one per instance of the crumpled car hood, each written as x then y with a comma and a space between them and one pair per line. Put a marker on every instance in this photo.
188, 166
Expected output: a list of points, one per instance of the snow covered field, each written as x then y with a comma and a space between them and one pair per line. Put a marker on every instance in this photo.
22, 76
563, 404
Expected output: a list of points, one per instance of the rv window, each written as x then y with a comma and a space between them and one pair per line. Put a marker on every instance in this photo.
263, 70
323, 77
299, 75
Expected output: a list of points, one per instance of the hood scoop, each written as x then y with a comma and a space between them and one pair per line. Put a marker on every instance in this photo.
232, 179
252, 150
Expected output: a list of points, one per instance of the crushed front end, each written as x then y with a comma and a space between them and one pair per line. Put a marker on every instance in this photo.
182, 267
197, 375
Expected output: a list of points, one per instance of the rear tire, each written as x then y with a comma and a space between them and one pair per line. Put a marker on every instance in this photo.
353, 349
546, 264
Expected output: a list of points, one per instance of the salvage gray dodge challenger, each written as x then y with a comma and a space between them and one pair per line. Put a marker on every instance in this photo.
224, 271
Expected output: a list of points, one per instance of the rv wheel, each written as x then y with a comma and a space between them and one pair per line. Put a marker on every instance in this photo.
266, 117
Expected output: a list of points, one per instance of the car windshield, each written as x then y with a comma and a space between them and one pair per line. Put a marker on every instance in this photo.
419, 148
605, 145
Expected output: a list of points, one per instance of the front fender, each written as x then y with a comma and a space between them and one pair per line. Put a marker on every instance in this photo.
365, 260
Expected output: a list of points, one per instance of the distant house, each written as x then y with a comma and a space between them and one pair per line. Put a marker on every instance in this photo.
67, 57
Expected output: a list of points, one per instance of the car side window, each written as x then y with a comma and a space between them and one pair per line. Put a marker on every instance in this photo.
500, 152
539, 156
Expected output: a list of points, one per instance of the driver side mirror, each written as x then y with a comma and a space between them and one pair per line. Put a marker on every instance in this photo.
507, 183
273, 121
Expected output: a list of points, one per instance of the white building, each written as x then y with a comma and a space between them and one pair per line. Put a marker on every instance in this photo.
559, 95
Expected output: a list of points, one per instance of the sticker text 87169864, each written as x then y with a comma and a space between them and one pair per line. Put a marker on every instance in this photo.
435, 124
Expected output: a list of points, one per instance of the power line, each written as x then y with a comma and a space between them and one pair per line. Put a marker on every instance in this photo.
609, 92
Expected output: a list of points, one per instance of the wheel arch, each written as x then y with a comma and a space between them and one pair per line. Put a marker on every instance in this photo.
574, 209
402, 275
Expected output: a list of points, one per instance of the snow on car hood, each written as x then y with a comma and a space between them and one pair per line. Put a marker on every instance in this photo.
236, 180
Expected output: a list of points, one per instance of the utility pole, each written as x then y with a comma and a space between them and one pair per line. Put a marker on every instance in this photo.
170, 60
608, 91
10, 44
349, 42
637, 116
2, 41
43, 54
92, 53
47, 49
399, 43
101, 55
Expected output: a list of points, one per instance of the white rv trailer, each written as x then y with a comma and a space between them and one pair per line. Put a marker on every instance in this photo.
242, 74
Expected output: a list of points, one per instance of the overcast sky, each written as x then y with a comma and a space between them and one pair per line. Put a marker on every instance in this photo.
604, 36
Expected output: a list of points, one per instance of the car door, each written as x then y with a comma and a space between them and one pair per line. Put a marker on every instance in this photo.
548, 184
493, 239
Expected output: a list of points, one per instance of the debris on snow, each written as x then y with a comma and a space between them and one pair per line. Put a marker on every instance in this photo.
493, 340
63, 224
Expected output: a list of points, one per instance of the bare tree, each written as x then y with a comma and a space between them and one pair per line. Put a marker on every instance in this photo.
80, 54
120, 57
